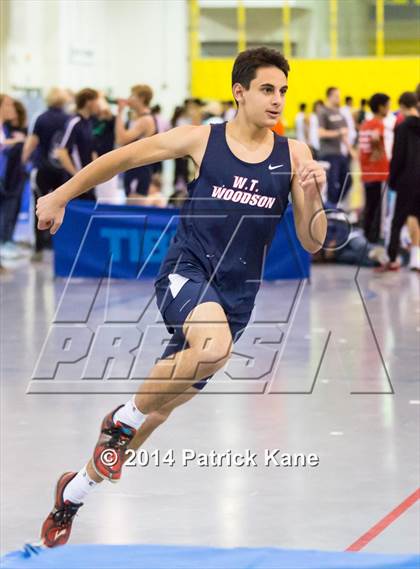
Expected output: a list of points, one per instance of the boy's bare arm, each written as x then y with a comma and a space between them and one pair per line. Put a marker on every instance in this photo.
178, 142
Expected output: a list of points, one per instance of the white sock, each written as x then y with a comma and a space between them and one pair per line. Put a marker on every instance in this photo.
77, 490
130, 415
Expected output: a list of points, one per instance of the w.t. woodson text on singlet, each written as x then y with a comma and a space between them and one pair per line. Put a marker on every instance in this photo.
228, 221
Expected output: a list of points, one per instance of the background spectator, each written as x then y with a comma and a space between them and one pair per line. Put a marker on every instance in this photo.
77, 148
302, 124
47, 173
347, 245
332, 132
181, 174
404, 178
374, 164
229, 110
362, 113
144, 124
212, 113
348, 113
194, 110
103, 130
162, 125
12, 135
313, 129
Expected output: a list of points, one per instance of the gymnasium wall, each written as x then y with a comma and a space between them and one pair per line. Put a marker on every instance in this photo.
111, 45
308, 79
104, 44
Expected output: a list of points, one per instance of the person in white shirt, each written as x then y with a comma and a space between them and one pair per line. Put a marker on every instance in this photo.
229, 110
348, 113
313, 134
301, 124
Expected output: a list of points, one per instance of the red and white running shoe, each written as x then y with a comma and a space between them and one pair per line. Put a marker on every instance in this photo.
57, 527
109, 452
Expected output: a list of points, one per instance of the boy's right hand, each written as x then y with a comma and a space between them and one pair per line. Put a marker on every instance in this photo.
50, 212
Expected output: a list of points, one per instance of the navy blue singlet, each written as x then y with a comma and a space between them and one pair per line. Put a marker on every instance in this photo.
229, 219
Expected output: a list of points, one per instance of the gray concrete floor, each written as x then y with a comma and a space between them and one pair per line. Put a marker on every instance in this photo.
330, 367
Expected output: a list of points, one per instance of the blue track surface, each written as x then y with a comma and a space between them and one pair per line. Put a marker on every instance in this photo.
171, 557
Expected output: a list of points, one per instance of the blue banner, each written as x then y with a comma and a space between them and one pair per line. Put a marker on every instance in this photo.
129, 242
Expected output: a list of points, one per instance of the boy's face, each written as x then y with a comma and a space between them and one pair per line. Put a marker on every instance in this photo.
263, 102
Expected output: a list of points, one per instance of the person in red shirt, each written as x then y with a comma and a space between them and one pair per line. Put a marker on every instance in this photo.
374, 164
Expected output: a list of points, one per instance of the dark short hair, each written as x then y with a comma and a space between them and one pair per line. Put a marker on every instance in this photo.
194, 101
302, 107
348, 99
378, 100
21, 113
84, 96
248, 61
408, 100
363, 102
330, 90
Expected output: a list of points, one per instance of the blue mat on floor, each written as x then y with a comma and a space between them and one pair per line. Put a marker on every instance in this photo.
175, 557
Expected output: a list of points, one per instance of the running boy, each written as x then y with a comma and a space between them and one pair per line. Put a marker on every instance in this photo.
208, 281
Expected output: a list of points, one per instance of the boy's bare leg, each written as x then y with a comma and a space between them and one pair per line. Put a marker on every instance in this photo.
210, 342
53, 533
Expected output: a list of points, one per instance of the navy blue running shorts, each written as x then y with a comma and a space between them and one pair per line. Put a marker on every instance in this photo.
176, 296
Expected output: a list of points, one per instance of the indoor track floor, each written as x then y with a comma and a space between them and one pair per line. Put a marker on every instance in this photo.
329, 367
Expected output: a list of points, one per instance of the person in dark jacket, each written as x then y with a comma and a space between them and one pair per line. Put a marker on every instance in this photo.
103, 127
12, 178
404, 179
47, 174
15, 172
76, 148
